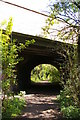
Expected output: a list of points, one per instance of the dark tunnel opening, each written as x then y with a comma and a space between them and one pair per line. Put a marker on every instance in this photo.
24, 75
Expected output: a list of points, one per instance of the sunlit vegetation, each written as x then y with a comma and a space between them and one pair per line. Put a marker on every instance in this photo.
9, 49
69, 98
66, 13
44, 72
12, 107
69, 107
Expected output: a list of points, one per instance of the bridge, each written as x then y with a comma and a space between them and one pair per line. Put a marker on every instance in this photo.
43, 51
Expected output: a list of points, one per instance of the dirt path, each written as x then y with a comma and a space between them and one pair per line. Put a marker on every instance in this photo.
41, 107
41, 103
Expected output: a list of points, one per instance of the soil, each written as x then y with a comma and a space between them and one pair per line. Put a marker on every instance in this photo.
41, 106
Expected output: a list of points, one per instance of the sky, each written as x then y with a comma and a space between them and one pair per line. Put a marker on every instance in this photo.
25, 21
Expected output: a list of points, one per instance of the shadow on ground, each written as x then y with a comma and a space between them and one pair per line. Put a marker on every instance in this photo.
41, 103
44, 88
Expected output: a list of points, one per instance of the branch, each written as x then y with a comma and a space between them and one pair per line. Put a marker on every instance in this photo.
77, 4
62, 20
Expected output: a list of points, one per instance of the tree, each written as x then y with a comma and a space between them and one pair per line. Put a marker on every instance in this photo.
45, 72
67, 14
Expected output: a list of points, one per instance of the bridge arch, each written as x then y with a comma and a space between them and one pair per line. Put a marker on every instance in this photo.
26, 66
43, 51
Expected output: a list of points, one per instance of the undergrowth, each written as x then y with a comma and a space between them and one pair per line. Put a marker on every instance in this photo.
12, 107
69, 109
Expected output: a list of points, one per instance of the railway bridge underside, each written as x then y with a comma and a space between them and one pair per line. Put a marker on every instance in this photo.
43, 51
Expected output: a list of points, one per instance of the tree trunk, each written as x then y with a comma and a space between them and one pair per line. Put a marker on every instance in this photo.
79, 62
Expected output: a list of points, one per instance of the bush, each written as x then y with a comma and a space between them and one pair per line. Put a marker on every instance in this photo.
69, 109
65, 99
9, 50
12, 107
71, 112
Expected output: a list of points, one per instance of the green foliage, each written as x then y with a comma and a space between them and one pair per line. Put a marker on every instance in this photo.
9, 56
9, 61
28, 42
71, 112
12, 107
9, 49
45, 72
54, 75
66, 13
69, 109
69, 97
65, 99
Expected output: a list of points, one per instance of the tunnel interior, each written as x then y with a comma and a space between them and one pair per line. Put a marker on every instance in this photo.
24, 73
43, 51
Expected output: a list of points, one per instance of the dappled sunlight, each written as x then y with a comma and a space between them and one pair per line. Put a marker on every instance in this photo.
41, 106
